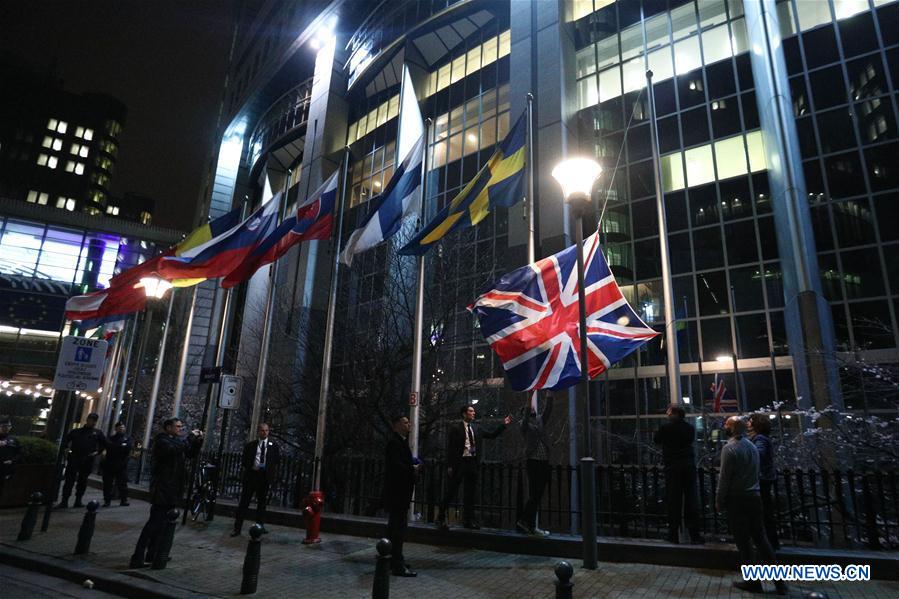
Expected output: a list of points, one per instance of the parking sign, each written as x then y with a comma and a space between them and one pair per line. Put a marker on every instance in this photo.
80, 364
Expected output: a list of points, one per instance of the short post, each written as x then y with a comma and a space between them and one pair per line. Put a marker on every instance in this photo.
251, 562
30, 519
381, 587
165, 540
564, 586
86, 532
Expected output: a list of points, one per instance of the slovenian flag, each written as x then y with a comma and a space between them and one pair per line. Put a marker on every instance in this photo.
223, 253
314, 219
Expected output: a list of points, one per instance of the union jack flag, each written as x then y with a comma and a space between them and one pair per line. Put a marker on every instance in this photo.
530, 319
719, 394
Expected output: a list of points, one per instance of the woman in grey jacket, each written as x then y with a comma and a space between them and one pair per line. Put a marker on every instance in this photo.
536, 452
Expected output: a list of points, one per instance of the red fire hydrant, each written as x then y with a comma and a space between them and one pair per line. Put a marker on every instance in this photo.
312, 516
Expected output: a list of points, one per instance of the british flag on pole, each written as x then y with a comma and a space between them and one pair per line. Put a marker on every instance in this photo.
530, 319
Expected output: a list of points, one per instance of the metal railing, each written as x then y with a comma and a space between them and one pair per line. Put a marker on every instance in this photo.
287, 113
814, 508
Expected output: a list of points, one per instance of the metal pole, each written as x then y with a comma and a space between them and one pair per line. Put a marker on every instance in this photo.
124, 378
148, 319
414, 409
53, 491
588, 470
531, 199
738, 388
673, 362
208, 419
267, 324
329, 332
109, 377
185, 352
154, 393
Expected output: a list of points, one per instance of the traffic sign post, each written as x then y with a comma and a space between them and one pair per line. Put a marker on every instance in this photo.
80, 364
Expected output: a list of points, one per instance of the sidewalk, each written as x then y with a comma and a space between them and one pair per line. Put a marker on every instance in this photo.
207, 562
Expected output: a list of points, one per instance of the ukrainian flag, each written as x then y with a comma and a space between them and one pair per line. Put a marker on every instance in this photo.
201, 235
499, 183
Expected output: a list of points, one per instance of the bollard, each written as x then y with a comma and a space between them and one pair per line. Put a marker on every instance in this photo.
87, 528
251, 561
166, 538
381, 587
30, 519
564, 586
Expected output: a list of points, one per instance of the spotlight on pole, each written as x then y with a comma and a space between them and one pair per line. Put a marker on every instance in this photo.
155, 287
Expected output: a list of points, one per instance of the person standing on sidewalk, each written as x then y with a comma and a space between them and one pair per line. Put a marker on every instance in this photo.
260, 467
170, 453
463, 455
738, 495
759, 433
10, 451
536, 453
676, 437
115, 465
400, 470
84, 444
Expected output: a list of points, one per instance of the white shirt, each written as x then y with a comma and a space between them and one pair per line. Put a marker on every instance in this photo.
258, 459
466, 453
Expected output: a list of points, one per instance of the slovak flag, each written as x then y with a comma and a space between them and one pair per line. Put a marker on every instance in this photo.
313, 220
223, 253
531, 320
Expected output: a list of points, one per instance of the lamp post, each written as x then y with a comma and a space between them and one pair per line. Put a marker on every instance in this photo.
155, 287
577, 176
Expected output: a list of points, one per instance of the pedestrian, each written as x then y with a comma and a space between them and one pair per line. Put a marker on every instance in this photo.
536, 453
10, 452
738, 495
115, 465
759, 433
84, 444
676, 436
463, 454
260, 469
400, 469
170, 453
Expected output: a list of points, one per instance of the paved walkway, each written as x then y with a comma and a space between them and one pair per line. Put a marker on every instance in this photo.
208, 561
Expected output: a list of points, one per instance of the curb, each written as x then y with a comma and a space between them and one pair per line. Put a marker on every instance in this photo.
78, 571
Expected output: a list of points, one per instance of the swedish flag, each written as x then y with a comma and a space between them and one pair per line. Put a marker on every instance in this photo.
499, 183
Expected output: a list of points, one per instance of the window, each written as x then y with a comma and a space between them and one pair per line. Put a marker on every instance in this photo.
42, 159
812, 14
730, 157
62, 127
47, 142
112, 210
42, 198
60, 202
31, 197
145, 217
70, 204
57, 144
699, 165
52, 124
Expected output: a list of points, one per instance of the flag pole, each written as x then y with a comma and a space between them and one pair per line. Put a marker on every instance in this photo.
329, 331
674, 395
415, 406
531, 199
124, 378
154, 393
185, 352
141, 350
267, 323
105, 396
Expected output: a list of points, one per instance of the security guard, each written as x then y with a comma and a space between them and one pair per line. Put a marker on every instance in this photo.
84, 445
115, 465
10, 451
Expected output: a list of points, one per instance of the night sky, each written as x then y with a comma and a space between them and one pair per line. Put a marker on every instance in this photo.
165, 59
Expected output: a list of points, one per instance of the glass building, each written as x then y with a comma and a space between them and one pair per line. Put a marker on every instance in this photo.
308, 79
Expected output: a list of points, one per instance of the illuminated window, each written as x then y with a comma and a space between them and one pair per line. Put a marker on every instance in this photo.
699, 164
32, 197
686, 55
83, 151
42, 159
79, 168
92, 210
113, 210
48, 141
113, 128
79, 131
581, 8
812, 14
88, 134
60, 202
70, 204
62, 127
43, 198
730, 157
57, 144
672, 172
52, 124
847, 8
70, 166
145, 218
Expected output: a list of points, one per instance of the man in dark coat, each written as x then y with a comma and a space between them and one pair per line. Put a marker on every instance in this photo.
760, 435
676, 438
10, 451
170, 452
463, 455
115, 465
84, 444
536, 453
400, 469
260, 469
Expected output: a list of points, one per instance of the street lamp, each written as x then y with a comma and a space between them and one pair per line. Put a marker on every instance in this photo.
577, 176
155, 287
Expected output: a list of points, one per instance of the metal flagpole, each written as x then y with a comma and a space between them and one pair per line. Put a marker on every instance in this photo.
154, 393
142, 349
104, 395
329, 331
113, 383
415, 395
531, 199
124, 378
674, 395
267, 324
185, 352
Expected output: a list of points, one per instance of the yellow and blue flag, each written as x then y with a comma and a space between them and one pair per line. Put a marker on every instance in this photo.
499, 183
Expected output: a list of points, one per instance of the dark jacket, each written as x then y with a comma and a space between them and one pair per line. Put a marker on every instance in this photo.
170, 467
534, 430
399, 473
676, 438
85, 442
272, 459
766, 457
118, 450
10, 451
455, 441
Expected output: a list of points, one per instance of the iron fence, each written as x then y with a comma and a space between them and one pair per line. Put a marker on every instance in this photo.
814, 507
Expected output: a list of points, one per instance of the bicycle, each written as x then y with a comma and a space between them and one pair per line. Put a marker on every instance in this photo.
203, 499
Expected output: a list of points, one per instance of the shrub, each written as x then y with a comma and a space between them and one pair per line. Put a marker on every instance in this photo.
37, 451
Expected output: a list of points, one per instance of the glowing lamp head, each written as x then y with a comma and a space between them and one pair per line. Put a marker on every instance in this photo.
577, 176
155, 287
